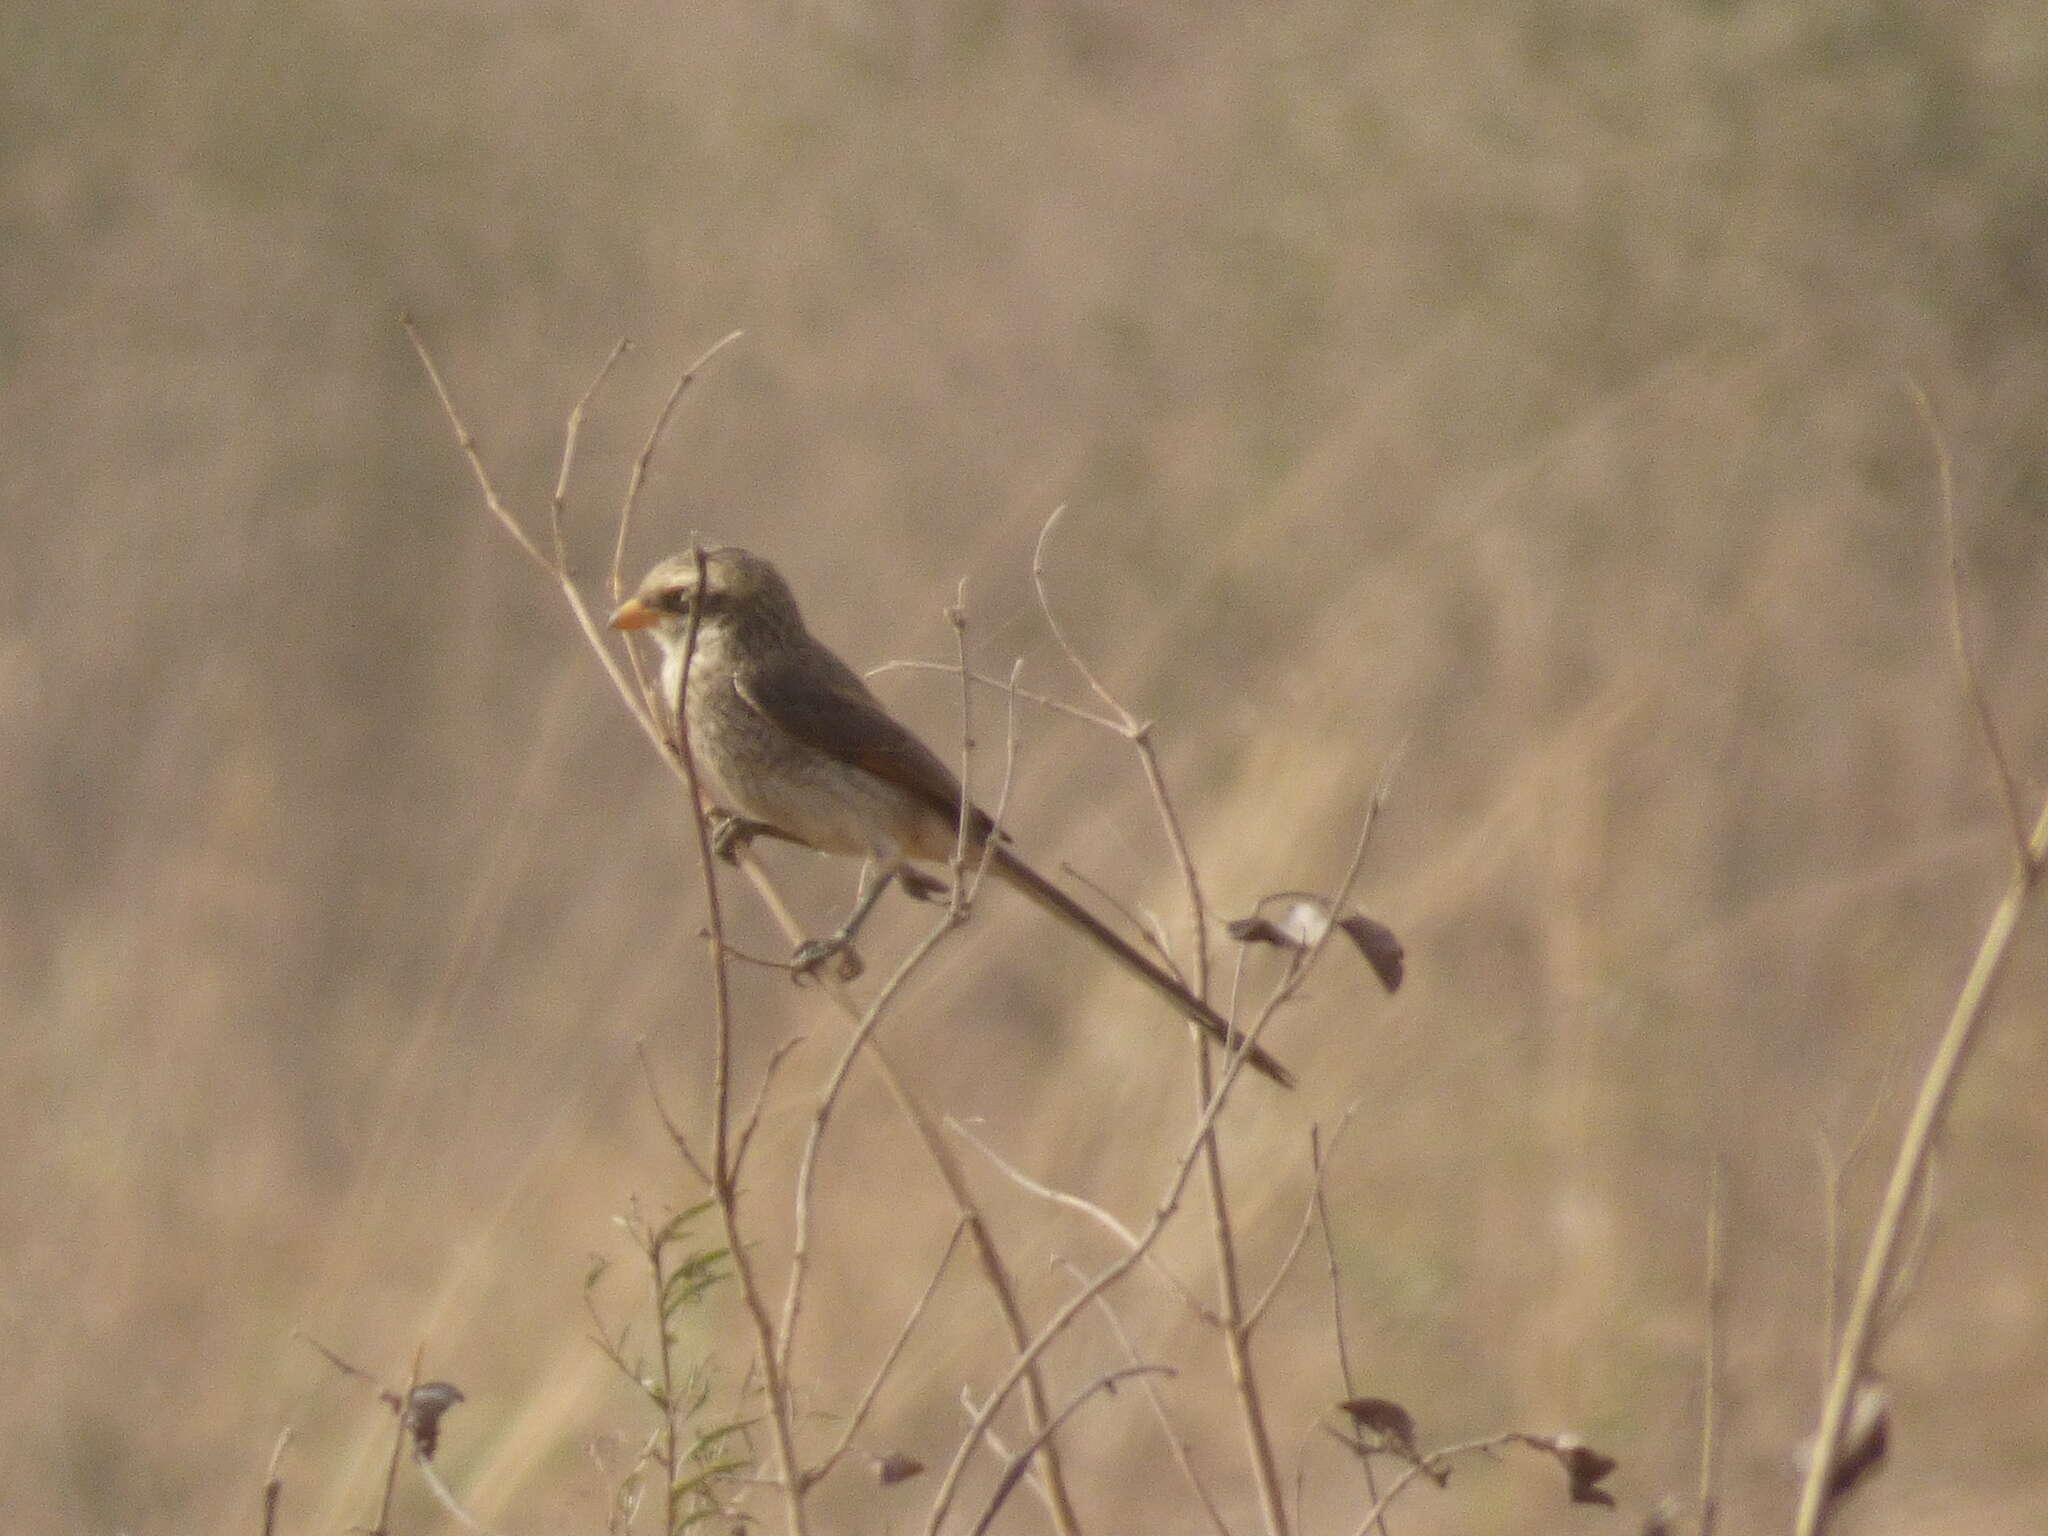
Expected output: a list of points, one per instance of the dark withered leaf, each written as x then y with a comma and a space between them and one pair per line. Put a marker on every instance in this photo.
430, 1399
897, 1468
1256, 930
1297, 920
1866, 1440
1584, 1467
1387, 1419
1382, 950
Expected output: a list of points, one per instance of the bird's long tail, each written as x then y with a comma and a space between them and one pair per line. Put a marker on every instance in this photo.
1056, 901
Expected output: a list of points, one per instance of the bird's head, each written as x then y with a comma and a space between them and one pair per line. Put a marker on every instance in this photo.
733, 583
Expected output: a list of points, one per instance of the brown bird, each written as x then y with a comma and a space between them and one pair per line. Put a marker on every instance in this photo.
793, 742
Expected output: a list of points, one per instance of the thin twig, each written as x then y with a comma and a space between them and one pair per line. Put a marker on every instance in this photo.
676, 1136
1144, 924
1022, 1368
1098, 1214
1345, 1377
1139, 734
1251, 1412
1022, 1458
956, 617
635, 484
1831, 1251
466, 440
572, 431
404, 1428
798, 1268
627, 689
1937, 1087
1710, 1359
1235, 1325
1834, 1172
447, 1499
828, 1099
1176, 1442
638, 478
997, 818
273, 1481
672, 1413
1318, 1159
1959, 631
1930, 1111
336, 1361
1043, 701
1321, 1208
1913, 1248
1430, 1466
858, 1416
776, 1058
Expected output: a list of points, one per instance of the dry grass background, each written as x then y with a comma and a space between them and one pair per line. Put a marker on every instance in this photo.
1521, 382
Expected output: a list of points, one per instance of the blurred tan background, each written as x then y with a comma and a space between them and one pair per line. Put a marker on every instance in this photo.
1521, 383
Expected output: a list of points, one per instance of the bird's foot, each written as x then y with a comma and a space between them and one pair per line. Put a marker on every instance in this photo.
809, 956
920, 886
730, 834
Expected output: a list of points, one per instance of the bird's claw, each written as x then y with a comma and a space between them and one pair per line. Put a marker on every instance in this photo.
731, 834
811, 955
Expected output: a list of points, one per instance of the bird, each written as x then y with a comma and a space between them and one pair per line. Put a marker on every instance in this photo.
793, 743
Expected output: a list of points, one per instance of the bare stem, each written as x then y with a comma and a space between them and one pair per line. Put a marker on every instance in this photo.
1710, 1360
1959, 631
858, 1416
398, 1439
1023, 1368
1022, 1457
273, 1481
1930, 1110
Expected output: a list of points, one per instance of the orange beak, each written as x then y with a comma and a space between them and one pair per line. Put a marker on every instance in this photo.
633, 614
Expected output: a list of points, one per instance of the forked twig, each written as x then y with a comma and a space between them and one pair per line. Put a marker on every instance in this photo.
1139, 734
640, 465
1023, 1367
1096, 1213
982, 679
784, 1342
861, 1408
1175, 1440
628, 690
466, 441
1021, 1459
1959, 629
572, 432
1319, 1155
677, 1137
1916, 1143
1344, 1372
752, 1120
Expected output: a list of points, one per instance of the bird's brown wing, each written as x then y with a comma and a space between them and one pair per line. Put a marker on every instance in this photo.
822, 702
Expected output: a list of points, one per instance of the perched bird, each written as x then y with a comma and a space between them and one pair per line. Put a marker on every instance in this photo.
791, 740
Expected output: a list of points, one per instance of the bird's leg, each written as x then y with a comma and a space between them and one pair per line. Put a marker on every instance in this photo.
874, 879
731, 833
